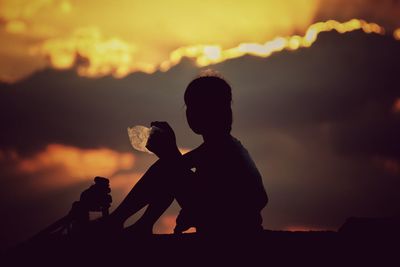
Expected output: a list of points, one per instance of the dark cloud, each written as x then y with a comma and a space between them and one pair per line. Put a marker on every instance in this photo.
349, 85
319, 122
383, 12
61, 107
337, 80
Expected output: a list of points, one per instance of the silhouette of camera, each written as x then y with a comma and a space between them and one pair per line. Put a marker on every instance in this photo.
97, 197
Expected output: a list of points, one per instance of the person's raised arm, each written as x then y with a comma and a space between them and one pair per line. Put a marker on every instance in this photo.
162, 141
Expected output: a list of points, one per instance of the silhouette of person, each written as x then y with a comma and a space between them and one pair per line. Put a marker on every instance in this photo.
217, 184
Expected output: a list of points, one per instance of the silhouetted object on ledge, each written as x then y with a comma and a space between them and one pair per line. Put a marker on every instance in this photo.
96, 198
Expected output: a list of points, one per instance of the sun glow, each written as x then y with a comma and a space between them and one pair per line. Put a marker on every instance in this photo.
205, 55
103, 57
97, 38
59, 165
396, 34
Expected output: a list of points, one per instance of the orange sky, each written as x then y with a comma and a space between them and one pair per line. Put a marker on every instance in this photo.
60, 166
131, 35
100, 38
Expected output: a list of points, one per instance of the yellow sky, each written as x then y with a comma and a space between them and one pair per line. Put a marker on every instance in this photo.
101, 37
122, 36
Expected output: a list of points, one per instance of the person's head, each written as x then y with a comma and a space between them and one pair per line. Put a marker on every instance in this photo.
208, 105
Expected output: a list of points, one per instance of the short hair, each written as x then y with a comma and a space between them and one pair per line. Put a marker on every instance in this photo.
212, 94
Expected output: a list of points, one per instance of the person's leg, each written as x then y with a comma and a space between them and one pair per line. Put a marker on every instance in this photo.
187, 195
174, 185
153, 189
144, 225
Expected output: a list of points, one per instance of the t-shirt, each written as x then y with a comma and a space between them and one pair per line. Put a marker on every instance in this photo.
228, 191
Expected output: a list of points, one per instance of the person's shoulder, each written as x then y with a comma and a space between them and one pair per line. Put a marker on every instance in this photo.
237, 146
236, 141
243, 161
240, 152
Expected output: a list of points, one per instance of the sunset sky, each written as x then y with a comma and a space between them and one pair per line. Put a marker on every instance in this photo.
315, 88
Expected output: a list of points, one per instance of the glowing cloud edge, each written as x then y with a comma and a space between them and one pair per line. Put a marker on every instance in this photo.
205, 55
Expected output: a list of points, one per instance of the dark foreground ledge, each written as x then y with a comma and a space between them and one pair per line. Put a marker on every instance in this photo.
359, 242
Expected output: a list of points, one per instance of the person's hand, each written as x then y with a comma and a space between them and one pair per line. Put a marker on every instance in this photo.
162, 140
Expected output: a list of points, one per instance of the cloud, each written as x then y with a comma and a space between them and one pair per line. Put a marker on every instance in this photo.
17, 59
135, 35
396, 34
59, 166
98, 39
384, 12
60, 170
320, 123
92, 54
39, 188
23, 26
